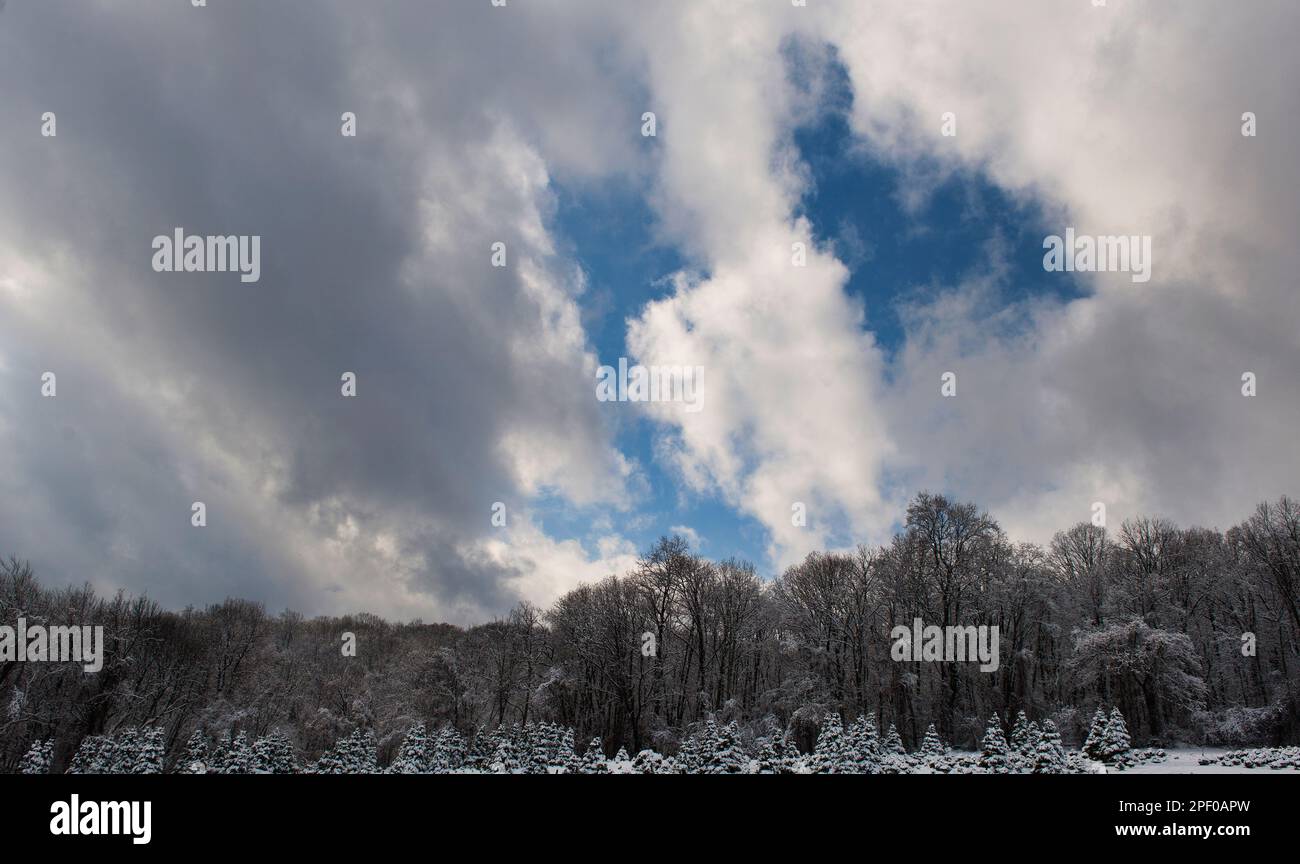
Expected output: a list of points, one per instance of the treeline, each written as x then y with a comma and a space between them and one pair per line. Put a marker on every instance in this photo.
1192, 633
544, 748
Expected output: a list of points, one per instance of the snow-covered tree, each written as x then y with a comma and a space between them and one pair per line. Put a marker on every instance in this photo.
93, 756
122, 751
1092, 745
195, 758
415, 756
993, 755
620, 764
593, 759
38, 757
893, 743
1115, 743
1049, 755
829, 756
933, 747
649, 762
448, 751
567, 760
354, 754
726, 757
238, 756
273, 754
150, 751
1016, 741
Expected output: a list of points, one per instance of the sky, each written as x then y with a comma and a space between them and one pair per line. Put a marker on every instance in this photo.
524, 124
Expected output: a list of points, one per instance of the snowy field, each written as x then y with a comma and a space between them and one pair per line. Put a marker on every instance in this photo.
1184, 761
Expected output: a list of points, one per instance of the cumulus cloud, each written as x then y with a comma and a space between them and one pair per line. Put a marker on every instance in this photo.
474, 383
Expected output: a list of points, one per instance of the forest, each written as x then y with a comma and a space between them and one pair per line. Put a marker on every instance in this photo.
1193, 634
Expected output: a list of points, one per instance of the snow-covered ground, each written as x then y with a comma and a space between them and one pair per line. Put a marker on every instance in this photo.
1184, 761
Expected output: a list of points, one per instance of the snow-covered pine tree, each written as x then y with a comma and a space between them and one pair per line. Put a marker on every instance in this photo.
593, 759
648, 762
122, 754
688, 755
865, 747
993, 755
1049, 755
354, 754
766, 760
1092, 745
620, 764
195, 758
543, 745
94, 755
239, 756
448, 751
1115, 743
1021, 760
829, 756
505, 760
415, 756
478, 755
38, 758
933, 747
273, 754
726, 757
1016, 742
893, 743
706, 744
150, 751
567, 760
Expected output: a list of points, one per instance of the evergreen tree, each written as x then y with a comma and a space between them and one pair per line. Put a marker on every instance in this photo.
688, 756
38, 758
150, 751
933, 747
993, 756
620, 764
829, 755
893, 743
415, 756
195, 758
726, 756
354, 754
1115, 743
1049, 755
93, 756
122, 751
1017, 741
649, 762
862, 747
1092, 745
593, 759
505, 760
567, 759
448, 752
238, 756
273, 754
